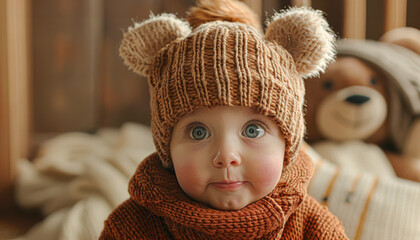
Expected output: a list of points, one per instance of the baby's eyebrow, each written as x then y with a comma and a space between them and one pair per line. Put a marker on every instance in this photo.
191, 123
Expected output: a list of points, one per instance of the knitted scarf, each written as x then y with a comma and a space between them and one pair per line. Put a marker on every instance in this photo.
164, 211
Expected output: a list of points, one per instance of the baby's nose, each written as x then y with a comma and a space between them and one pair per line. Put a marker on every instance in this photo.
226, 158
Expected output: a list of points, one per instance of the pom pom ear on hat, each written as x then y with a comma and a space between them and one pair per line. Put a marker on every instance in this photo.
141, 43
306, 35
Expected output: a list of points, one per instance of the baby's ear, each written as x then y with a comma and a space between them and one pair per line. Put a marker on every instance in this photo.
141, 43
305, 34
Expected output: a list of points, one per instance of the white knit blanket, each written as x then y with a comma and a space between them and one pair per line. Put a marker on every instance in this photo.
78, 179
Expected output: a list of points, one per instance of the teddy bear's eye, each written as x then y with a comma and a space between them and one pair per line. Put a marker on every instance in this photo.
373, 81
327, 84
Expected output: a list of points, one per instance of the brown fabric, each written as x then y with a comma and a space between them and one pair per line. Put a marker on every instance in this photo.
159, 209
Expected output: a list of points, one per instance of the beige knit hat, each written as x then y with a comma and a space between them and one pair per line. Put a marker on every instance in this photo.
222, 63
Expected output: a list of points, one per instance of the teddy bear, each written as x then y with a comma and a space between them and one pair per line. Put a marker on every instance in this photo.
364, 111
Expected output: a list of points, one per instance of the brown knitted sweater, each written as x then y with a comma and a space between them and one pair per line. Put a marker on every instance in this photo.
159, 209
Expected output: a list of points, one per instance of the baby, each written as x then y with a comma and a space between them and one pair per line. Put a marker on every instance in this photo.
227, 121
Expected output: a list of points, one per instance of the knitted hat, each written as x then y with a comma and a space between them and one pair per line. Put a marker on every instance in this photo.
222, 63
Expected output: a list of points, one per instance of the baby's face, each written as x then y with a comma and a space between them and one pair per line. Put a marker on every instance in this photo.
227, 157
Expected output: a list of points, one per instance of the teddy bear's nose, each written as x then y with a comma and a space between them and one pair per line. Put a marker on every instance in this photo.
357, 99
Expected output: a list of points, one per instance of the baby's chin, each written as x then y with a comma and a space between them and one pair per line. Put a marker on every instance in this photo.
229, 204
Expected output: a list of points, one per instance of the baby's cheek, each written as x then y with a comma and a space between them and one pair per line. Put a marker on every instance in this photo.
268, 171
189, 177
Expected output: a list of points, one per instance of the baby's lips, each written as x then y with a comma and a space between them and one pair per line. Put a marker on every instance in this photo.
228, 185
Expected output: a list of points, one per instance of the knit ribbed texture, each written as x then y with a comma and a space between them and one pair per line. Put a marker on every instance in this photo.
140, 47
225, 64
159, 209
311, 54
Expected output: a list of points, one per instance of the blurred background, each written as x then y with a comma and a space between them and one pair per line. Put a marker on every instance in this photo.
60, 70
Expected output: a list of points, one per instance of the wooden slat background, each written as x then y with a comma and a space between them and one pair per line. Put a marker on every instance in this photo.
4, 105
15, 91
64, 84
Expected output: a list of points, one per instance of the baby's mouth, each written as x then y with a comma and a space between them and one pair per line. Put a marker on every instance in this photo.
228, 185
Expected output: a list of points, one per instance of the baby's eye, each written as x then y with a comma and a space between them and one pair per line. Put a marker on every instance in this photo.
199, 133
253, 131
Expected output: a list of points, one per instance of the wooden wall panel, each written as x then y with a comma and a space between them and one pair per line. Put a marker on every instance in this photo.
14, 92
5, 171
301, 3
177, 6
375, 15
413, 19
334, 12
125, 95
65, 33
269, 7
354, 19
375, 19
395, 14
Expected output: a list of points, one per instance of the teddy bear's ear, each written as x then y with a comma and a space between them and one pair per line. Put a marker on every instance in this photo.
142, 41
305, 34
